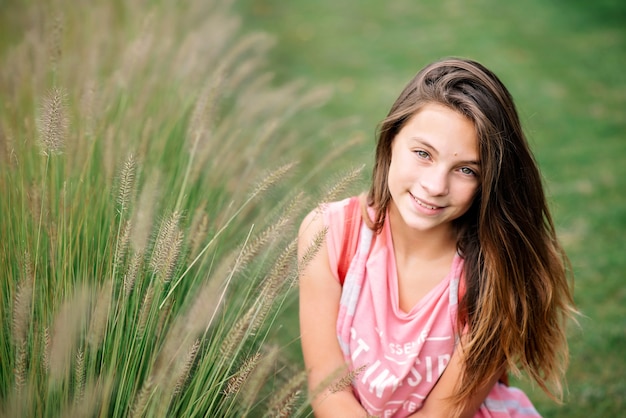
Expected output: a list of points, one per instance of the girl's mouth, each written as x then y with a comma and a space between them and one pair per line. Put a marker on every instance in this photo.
426, 205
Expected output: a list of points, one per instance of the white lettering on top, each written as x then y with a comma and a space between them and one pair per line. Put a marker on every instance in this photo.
383, 381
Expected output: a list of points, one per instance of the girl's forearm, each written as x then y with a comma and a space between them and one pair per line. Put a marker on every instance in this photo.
339, 404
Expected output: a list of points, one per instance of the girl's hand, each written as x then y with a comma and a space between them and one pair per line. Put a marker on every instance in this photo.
437, 403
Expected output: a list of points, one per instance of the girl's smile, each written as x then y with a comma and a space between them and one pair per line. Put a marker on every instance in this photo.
427, 208
434, 170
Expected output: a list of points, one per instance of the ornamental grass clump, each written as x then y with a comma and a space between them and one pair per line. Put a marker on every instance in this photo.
148, 212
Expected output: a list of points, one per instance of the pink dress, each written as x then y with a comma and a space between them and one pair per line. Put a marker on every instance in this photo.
399, 355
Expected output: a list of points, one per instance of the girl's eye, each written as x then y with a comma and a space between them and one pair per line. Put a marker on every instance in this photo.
468, 171
422, 154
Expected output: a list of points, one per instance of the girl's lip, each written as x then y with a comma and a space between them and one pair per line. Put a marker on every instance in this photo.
426, 204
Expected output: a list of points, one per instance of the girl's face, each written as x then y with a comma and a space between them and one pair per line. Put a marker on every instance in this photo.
434, 171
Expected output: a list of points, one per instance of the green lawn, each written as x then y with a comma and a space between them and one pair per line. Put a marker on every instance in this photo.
563, 62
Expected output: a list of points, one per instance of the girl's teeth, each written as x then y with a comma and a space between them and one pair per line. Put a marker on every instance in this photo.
425, 205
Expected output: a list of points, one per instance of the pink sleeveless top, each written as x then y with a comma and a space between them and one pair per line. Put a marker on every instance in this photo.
398, 356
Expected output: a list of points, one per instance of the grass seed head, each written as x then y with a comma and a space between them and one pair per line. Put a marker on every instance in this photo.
22, 303
144, 213
100, 315
90, 403
235, 383
131, 273
187, 365
236, 334
283, 401
273, 286
203, 115
272, 178
54, 122
144, 312
337, 188
282, 270
167, 247
79, 376
199, 229
258, 377
312, 249
340, 379
126, 183
258, 243
45, 352
67, 325
142, 398
204, 308
122, 245
345, 382
20, 365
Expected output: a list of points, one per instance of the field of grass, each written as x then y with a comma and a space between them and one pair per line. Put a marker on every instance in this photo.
150, 191
156, 158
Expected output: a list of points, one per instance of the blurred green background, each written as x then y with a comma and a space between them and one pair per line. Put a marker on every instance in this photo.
563, 61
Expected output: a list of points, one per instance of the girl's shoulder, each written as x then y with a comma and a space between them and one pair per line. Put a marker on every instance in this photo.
336, 218
329, 215
335, 213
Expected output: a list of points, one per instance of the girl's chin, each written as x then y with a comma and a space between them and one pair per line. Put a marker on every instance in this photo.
416, 221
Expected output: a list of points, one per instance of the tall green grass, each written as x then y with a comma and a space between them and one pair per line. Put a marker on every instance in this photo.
149, 200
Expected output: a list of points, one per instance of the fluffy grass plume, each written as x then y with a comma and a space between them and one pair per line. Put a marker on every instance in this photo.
150, 250
54, 121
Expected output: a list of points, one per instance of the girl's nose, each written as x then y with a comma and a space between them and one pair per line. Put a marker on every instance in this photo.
435, 181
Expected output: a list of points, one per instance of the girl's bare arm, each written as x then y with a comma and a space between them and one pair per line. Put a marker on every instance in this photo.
319, 306
437, 404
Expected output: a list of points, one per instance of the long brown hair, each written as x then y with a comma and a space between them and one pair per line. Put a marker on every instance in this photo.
518, 297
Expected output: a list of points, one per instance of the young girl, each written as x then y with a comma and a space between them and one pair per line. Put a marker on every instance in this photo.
457, 277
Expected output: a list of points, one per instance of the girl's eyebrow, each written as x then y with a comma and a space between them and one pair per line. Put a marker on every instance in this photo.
434, 150
471, 162
425, 143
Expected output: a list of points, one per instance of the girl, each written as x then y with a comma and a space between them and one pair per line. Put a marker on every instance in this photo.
457, 276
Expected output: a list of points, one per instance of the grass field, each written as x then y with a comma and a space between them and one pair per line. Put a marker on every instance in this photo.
153, 172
